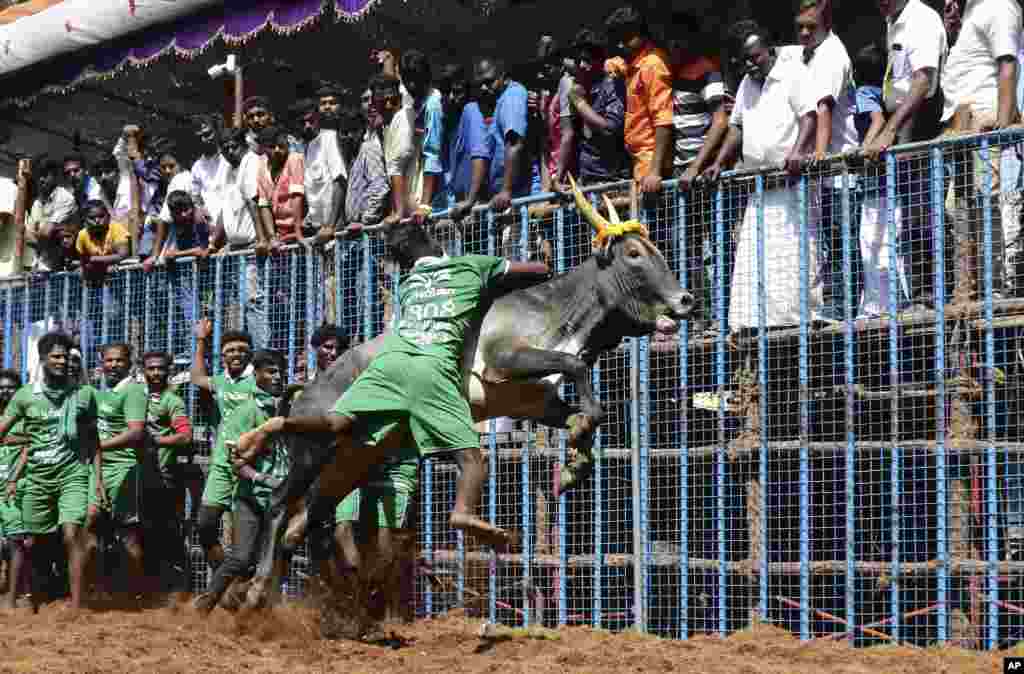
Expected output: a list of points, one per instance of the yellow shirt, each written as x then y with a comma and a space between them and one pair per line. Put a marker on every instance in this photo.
116, 234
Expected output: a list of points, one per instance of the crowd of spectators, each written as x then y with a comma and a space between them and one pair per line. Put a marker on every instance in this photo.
420, 138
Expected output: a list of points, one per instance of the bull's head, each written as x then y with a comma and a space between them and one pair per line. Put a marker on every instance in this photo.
634, 272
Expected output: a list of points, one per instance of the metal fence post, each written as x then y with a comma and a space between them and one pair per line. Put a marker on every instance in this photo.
8, 327
762, 384
805, 413
850, 462
525, 506
942, 551
721, 381
563, 539
894, 385
991, 505
682, 427
636, 472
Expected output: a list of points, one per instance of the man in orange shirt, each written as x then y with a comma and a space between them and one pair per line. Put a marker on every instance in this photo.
101, 243
649, 121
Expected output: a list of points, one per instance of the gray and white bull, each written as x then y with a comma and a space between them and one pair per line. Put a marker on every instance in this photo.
526, 343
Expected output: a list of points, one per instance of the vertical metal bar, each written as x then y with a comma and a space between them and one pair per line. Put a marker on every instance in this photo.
368, 291
492, 516
169, 289
65, 301
243, 290
849, 312
894, 385
293, 273
8, 327
190, 334
636, 472
991, 506
720, 383
147, 310
218, 310
128, 273
105, 303
428, 531
339, 311
762, 385
682, 426
86, 331
26, 326
805, 416
48, 281
492, 473
311, 315
263, 267
563, 539
527, 451
938, 203
599, 490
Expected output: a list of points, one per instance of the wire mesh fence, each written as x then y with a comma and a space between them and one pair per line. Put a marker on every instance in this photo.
831, 444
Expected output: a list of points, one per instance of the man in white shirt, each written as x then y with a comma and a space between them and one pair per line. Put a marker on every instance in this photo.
827, 125
53, 211
401, 158
916, 41
980, 87
326, 175
208, 172
8, 195
766, 121
246, 221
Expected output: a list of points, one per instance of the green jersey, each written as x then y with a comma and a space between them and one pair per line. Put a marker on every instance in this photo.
50, 423
275, 462
119, 406
440, 299
229, 394
10, 452
164, 409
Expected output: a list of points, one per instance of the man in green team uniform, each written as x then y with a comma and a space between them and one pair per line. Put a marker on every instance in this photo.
229, 391
60, 422
252, 495
12, 528
120, 467
169, 430
415, 380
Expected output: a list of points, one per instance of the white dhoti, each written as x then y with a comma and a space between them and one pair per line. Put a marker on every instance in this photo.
781, 264
875, 251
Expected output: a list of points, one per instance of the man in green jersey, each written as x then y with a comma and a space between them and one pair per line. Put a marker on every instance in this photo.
413, 384
119, 468
59, 420
251, 498
229, 391
12, 528
169, 430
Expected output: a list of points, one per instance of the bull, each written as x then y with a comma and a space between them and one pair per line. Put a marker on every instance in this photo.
527, 342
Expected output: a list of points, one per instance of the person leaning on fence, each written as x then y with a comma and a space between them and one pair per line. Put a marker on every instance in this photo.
916, 44
979, 84
765, 122
102, 243
599, 96
229, 390
208, 172
169, 432
250, 501
52, 475
649, 114
828, 126
284, 181
54, 212
326, 175
13, 534
246, 222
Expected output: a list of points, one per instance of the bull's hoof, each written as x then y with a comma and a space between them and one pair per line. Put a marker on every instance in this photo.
235, 598
204, 603
256, 596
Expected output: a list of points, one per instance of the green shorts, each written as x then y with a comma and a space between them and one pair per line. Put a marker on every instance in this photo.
219, 491
402, 388
59, 498
385, 500
123, 484
11, 521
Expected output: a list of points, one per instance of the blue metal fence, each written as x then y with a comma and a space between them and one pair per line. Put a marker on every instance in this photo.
847, 474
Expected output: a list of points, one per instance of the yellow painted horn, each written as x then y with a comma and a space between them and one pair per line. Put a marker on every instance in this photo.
613, 215
587, 209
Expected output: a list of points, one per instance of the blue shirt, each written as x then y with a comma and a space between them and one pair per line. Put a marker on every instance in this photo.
510, 116
470, 143
869, 99
183, 238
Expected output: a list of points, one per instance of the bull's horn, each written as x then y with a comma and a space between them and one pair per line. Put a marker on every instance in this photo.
613, 215
587, 209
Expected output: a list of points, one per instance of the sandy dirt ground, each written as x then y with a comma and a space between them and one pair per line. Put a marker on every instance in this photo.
286, 640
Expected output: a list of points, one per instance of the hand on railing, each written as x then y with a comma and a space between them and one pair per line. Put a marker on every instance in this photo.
150, 262
650, 183
712, 173
501, 202
882, 142
691, 177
